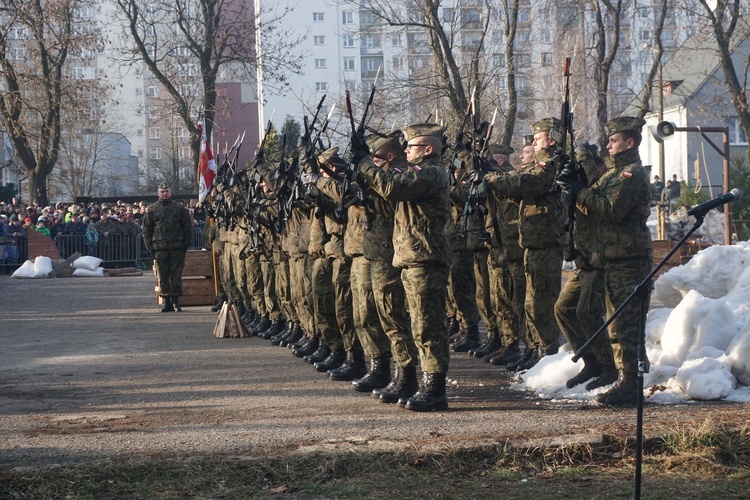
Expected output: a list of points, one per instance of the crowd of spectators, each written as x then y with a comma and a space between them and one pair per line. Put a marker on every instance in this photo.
89, 229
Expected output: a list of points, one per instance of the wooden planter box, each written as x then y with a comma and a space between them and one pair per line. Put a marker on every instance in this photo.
197, 280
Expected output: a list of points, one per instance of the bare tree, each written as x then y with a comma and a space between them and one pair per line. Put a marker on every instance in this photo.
723, 17
199, 41
459, 56
36, 39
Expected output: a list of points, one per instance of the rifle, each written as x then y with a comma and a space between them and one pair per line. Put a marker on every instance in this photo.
562, 158
455, 162
339, 213
472, 203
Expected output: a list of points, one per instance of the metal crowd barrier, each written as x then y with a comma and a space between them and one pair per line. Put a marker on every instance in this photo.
117, 250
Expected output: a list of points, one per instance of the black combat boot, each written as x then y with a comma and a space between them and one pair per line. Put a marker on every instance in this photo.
353, 368
333, 361
277, 326
295, 336
217, 307
321, 353
460, 334
176, 303
402, 387
240, 308
529, 355
453, 326
470, 341
378, 375
285, 334
308, 348
249, 317
167, 305
261, 326
591, 369
492, 343
431, 395
608, 376
508, 354
623, 393
285, 328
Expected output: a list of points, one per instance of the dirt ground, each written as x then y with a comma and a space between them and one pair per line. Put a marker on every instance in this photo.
90, 369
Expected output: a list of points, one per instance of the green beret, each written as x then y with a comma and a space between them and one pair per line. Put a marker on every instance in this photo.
377, 141
624, 123
500, 149
424, 129
163, 185
331, 155
528, 140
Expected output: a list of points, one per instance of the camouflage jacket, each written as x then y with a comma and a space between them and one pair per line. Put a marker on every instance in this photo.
621, 201
541, 214
167, 226
422, 201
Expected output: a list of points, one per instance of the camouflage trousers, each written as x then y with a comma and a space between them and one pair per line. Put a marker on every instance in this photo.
505, 316
342, 268
324, 303
580, 310
370, 332
169, 264
301, 286
239, 272
462, 288
283, 289
390, 301
543, 269
483, 289
514, 284
255, 285
227, 274
270, 299
625, 332
426, 292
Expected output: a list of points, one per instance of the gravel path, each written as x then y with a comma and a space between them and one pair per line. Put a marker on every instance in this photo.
89, 369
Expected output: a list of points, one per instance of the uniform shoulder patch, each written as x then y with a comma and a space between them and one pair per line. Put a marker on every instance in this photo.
416, 168
627, 175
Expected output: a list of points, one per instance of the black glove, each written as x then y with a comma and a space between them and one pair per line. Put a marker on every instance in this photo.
359, 149
260, 156
568, 180
459, 144
476, 177
310, 178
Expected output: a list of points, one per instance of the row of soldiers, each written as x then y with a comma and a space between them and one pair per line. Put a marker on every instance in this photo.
403, 263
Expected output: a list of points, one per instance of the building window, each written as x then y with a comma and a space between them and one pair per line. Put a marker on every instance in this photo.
398, 62
645, 35
547, 59
139, 132
154, 153
139, 112
152, 112
152, 91
372, 41
321, 86
319, 17
151, 50
320, 63
138, 91
154, 133
349, 64
546, 36
449, 15
523, 15
319, 40
347, 17
182, 51
140, 153
396, 41
736, 134
348, 40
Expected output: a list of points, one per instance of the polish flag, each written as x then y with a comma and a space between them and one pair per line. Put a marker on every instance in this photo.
206, 166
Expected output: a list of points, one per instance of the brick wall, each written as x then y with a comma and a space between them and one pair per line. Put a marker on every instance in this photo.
39, 244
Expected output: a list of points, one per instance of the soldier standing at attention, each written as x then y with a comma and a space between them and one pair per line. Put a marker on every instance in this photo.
167, 233
541, 235
421, 248
620, 201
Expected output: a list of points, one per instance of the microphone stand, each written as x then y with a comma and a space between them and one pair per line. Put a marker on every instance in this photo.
641, 291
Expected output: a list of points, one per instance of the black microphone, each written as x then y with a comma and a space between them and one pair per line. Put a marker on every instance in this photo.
703, 208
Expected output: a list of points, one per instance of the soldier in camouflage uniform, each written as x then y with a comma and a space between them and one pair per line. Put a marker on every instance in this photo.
370, 334
541, 235
580, 308
167, 233
620, 201
421, 248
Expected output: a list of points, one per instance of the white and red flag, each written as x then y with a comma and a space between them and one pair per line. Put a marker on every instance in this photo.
206, 165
